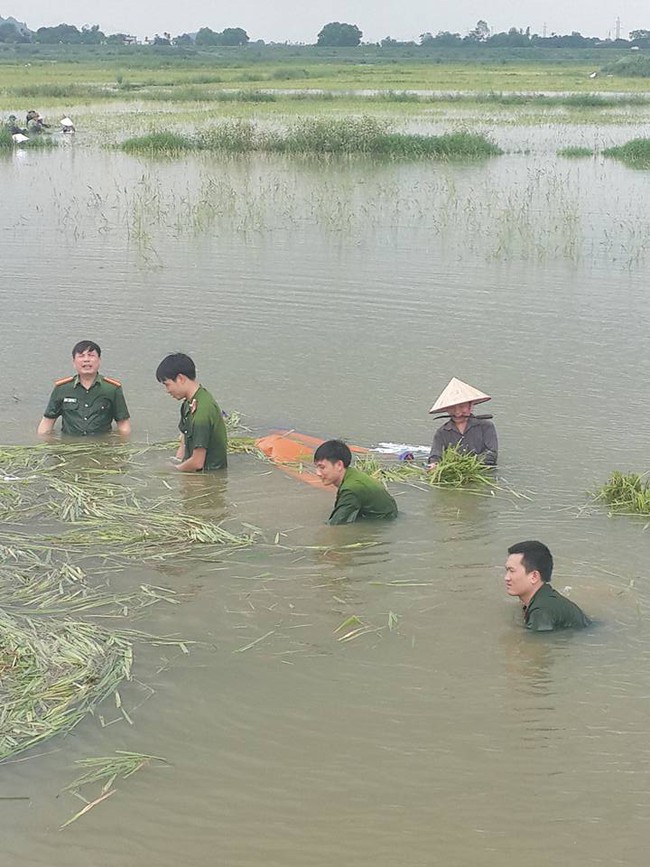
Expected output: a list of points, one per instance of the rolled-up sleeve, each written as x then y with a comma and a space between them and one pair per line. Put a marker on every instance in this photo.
54, 404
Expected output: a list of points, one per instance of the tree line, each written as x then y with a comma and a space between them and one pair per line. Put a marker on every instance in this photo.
333, 34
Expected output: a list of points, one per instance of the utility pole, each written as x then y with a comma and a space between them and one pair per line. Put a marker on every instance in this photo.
544, 30
618, 29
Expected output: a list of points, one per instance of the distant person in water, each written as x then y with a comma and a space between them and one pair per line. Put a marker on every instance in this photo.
472, 435
88, 403
358, 496
528, 572
11, 125
35, 123
204, 440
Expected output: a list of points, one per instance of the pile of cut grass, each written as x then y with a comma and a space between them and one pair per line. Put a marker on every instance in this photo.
454, 470
634, 153
52, 673
320, 136
626, 492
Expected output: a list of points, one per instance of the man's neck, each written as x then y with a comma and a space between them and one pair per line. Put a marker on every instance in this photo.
192, 389
527, 599
87, 380
461, 424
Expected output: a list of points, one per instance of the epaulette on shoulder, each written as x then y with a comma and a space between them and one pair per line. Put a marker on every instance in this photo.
113, 381
64, 380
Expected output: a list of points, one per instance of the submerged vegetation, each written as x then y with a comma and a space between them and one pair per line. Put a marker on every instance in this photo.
575, 152
634, 153
626, 492
346, 136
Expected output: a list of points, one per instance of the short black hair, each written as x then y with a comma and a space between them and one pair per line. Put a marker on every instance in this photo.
173, 365
86, 346
536, 557
333, 451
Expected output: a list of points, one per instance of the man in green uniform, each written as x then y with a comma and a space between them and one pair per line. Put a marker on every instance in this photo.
528, 572
358, 495
204, 440
87, 402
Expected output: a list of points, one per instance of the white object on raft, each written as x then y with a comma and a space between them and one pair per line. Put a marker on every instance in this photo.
19, 138
67, 124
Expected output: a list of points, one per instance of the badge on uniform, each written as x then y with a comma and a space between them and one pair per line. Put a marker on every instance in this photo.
69, 400
193, 406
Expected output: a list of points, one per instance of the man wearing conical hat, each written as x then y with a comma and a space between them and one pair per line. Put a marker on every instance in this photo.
474, 435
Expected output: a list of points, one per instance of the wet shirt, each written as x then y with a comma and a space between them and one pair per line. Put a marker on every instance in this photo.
203, 427
549, 610
480, 438
359, 496
87, 412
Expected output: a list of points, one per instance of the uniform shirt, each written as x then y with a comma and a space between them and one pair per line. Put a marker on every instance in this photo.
359, 496
549, 610
480, 438
203, 427
87, 412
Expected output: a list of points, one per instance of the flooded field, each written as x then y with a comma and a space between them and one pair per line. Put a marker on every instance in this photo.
338, 297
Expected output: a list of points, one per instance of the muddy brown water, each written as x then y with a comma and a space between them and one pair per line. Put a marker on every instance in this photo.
338, 298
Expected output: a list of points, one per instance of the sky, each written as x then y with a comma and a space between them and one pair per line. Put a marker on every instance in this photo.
291, 21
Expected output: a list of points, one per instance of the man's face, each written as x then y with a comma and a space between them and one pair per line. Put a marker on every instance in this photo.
461, 411
175, 387
86, 363
518, 581
330, 473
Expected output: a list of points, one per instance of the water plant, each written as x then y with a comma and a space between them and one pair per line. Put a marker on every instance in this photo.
626, 492
635, 153
575, 152
320, 136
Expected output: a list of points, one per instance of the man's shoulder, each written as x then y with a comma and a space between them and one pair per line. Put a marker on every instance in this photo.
111, 380
64, 380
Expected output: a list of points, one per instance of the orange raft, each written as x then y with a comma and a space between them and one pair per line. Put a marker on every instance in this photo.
293, 452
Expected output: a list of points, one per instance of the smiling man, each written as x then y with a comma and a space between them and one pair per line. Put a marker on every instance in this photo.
358, 496
87, 402
528, 572
204, 440
474, 435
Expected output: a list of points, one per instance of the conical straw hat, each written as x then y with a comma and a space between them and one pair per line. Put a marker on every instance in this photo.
457, 392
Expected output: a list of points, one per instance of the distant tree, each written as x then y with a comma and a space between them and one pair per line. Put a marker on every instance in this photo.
480, 33
513, 39
426, 38
161, 40
183, 40
92, 35
640, 38
229, 36
61, 34
205, 36
233, 36
10, 33
444, 37
336, 34
119, 39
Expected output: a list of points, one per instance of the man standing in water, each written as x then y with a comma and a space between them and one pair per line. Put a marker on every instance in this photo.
87, 402
358, 496
204, 440
472, 435
528, 573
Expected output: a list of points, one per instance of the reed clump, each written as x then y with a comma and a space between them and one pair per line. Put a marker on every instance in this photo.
320, 136
635, 153
626, 492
